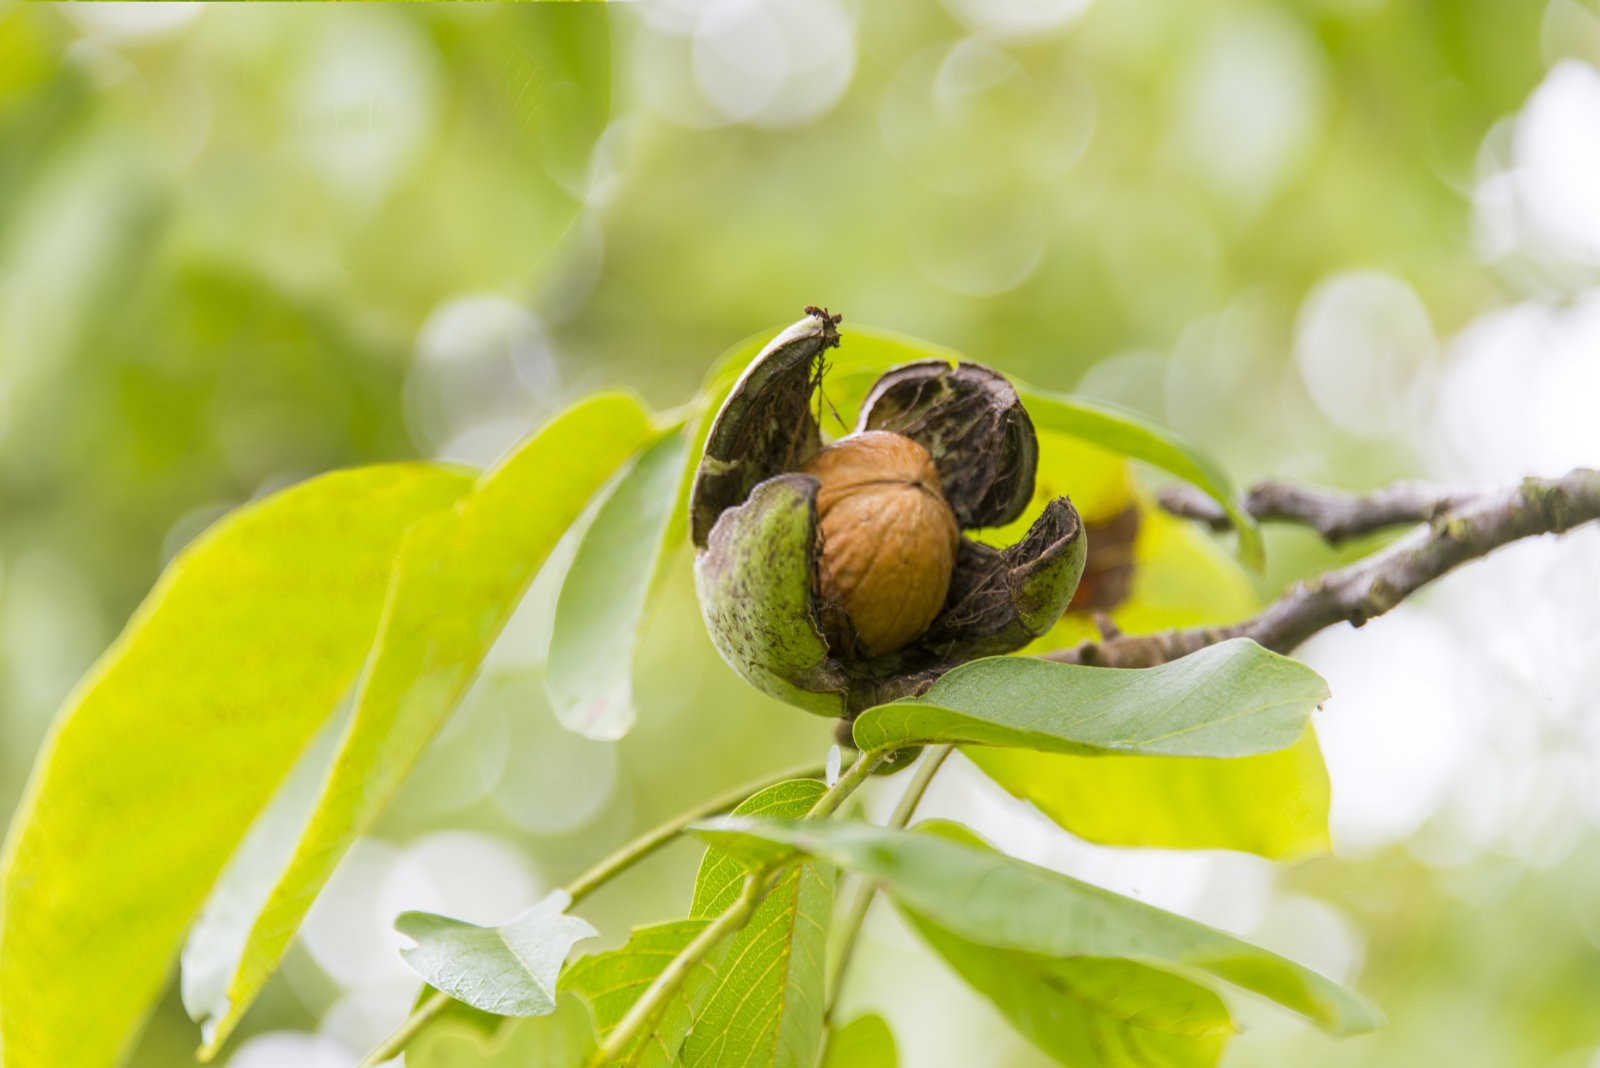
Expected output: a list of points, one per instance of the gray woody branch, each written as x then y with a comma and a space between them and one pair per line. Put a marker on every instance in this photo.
1460, 527
1334, 515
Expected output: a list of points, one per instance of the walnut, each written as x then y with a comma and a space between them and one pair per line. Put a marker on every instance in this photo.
888, 540
836, 577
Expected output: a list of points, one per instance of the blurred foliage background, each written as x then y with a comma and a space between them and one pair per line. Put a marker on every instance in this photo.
1334, 240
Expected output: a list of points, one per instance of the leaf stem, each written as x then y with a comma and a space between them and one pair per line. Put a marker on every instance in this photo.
644, 1011
652, 840
591, 880
397, 1041
862, 892
653, 1001
828, 803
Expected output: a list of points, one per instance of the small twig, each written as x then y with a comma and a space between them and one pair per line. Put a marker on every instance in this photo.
590, 881
1373, 585
1335, 515
854, 913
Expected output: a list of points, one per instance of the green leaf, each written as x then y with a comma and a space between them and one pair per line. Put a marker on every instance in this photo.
865, 1042
1091, 1010
766, 1005
509, 970
721, 876
611, 982
463, 1037
1231, 699
177, 739
1087, 1010
1003, 903
459, 576
1273, 804
1127, 433
602, 601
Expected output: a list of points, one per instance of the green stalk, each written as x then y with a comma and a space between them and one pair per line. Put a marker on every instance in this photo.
589, 881
862, 892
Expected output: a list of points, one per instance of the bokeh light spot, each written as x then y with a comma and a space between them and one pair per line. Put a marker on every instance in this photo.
1364, 345
1250, 100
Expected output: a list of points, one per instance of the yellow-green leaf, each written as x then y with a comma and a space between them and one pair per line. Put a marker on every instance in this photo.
589, 678
175, 741
1274, 804
459, 576
865, 1042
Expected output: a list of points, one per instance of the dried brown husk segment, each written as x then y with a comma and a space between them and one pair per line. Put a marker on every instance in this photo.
889, 541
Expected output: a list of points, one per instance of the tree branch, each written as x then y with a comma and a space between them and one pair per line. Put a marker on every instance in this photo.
1335, 515
1467, 527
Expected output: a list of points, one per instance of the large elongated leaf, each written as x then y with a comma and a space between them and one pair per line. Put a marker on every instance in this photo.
602, 601
1231, 699
1087, 1010
175, 741
1003, 903
509, 970
1092, 1010
767, 1003
1129, 434
611, 982
458, 578
865, 1042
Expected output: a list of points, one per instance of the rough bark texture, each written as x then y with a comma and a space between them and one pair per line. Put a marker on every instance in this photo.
1460, 527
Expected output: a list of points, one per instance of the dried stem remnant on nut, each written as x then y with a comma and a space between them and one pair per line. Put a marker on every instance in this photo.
889, 541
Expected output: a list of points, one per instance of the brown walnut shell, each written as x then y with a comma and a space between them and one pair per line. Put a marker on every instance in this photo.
888, 541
